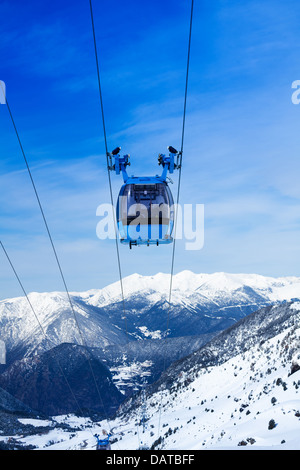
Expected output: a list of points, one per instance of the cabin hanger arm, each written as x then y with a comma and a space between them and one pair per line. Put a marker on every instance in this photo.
167, 161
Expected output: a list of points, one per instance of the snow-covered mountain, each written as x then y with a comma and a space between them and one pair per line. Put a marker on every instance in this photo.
188, 285
60, 381
201, 303
53, 323
240, 391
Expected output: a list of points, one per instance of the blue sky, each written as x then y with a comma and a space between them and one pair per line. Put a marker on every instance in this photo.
242, 137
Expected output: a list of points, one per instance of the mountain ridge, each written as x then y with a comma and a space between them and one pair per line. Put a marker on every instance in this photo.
247, 399
239, 388
185, 279
200, 304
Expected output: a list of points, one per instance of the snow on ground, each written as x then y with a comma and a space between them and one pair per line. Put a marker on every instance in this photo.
250, 402
127, 374
36, 422
157, 334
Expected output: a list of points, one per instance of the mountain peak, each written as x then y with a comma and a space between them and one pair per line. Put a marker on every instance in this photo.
211, 302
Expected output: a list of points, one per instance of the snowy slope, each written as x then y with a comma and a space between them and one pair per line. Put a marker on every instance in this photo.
232, 404
53, 323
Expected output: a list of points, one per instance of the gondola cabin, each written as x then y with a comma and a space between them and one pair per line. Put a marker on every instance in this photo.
145, 206
145, 212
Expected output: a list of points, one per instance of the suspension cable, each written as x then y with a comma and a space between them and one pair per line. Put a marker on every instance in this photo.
48, 339
180, 165
178, 196
109, 179
179, 178
54, 249
108, 166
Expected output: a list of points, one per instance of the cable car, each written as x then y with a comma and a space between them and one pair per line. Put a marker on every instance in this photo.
145, 206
